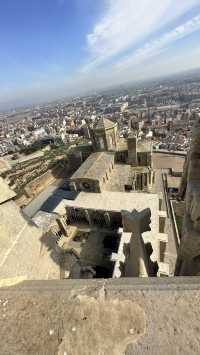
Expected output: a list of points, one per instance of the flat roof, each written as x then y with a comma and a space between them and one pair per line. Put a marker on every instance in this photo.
115, 201
167, 161
24, 251
177, 169
173, 181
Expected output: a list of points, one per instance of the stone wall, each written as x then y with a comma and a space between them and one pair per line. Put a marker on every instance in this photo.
37, 185
90, 317
188, 262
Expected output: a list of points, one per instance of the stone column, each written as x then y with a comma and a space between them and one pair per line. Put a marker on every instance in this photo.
150, 178
141, 181
132, 150
107, 219
88, 217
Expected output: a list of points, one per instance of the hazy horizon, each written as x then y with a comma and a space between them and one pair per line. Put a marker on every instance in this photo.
130, 84
62, 47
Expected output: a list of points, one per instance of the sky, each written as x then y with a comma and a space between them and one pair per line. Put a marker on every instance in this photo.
57, 48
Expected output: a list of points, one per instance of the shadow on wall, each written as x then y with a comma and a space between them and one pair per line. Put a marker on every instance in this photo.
50, 241
153, 265
56, 253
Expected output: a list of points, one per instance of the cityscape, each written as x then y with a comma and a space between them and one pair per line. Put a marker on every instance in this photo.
100, 188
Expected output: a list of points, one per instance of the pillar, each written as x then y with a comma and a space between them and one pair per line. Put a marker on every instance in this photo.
132, 150
107, 219
88, 217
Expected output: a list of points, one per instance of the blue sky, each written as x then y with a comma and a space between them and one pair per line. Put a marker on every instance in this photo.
55, 48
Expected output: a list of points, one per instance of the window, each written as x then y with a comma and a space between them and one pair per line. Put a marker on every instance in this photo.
86, 185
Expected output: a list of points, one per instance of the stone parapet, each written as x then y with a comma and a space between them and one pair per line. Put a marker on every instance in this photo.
86, 317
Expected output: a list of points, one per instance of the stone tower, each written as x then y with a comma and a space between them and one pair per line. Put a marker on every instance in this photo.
104, 135
132, 150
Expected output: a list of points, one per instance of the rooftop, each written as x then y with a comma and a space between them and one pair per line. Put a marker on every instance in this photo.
173, 181
144, 146
22, 251
94, 167
104, 123
122, 144
168, 161
6, 193
119, 177
115, 201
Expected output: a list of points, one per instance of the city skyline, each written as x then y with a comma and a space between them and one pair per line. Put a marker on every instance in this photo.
68, 47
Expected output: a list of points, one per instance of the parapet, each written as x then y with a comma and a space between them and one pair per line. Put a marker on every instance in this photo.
86, 317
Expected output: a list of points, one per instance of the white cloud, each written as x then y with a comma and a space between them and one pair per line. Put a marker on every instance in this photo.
125, 25
153, 48
126, 22
132, 67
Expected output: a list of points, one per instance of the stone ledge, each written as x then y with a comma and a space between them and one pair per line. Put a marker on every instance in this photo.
135, 283
90, 317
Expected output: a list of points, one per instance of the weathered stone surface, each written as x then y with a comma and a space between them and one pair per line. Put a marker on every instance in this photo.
24, 250
188, 262
90, 317
136, 220
101, 326
137, 261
